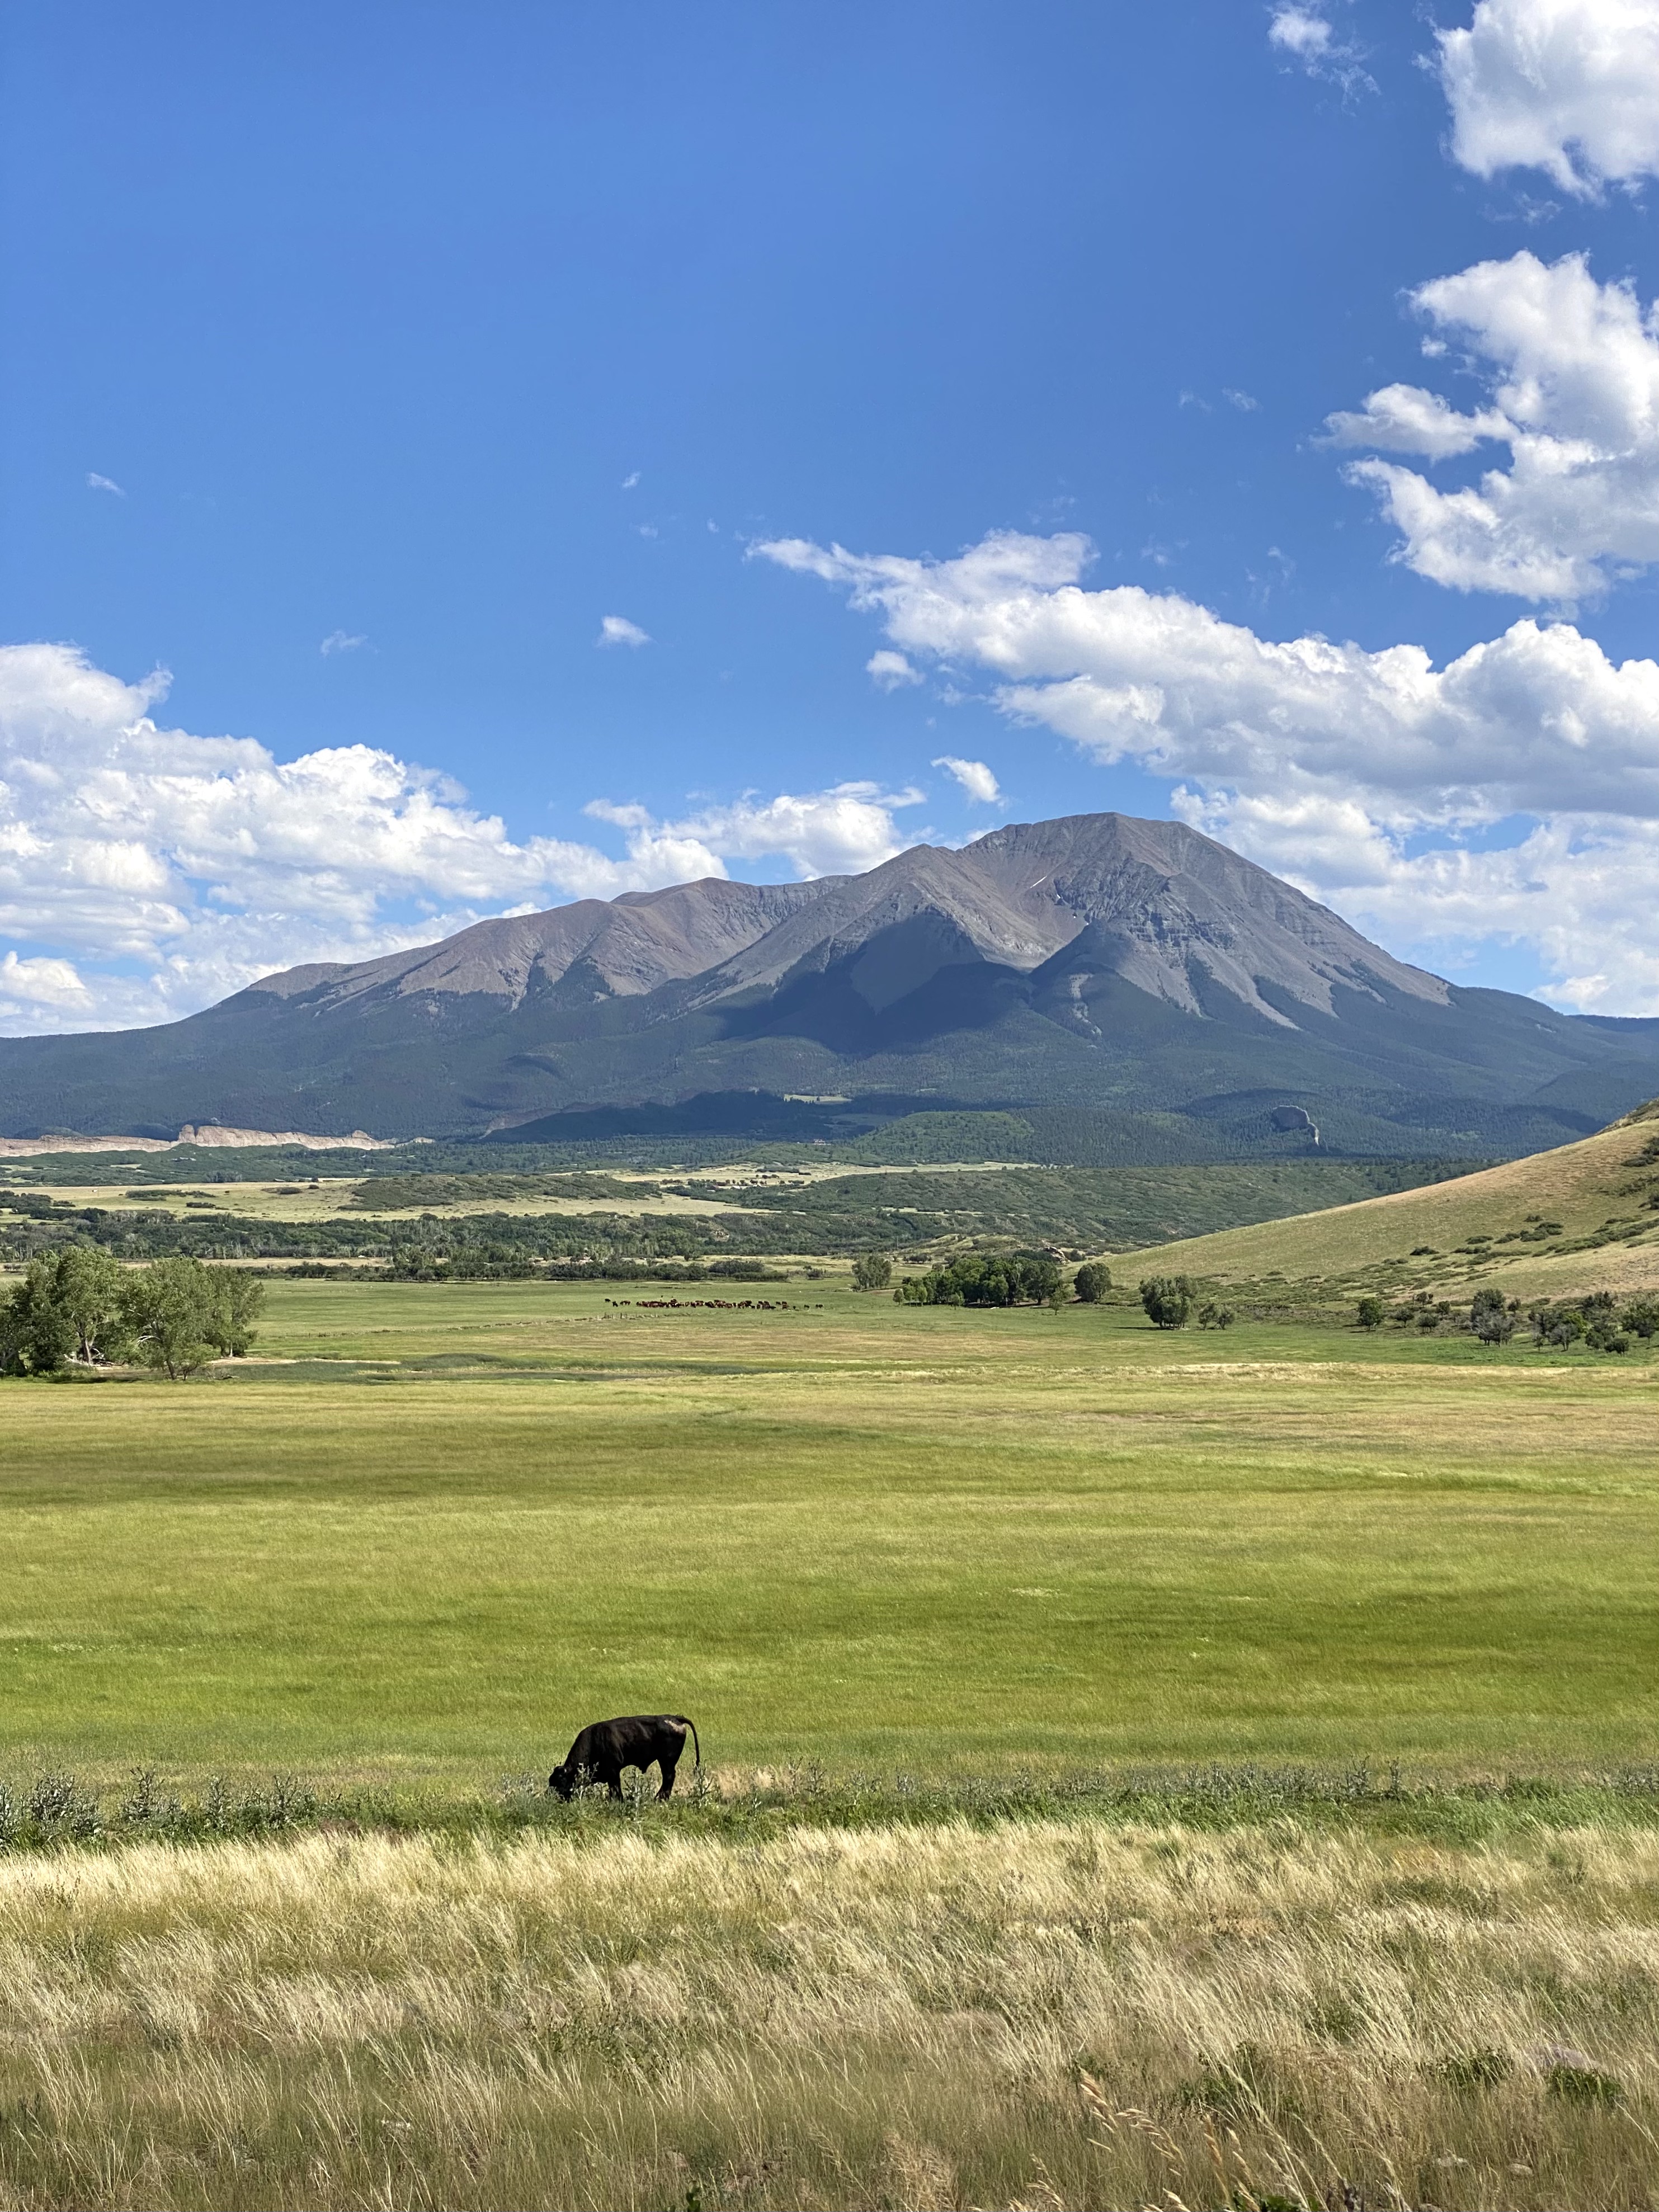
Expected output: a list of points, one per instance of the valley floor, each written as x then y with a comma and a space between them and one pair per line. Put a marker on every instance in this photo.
405, 1551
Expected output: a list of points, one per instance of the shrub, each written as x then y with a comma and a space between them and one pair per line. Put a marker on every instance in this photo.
1168, 1300
1211, 1316
873, 1270
1641, 1317
1490, 1318
1091, 1281
1368, 1314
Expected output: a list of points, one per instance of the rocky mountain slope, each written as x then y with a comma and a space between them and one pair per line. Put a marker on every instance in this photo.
1095, 962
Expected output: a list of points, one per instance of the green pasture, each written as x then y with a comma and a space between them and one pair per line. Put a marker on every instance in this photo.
435, 1527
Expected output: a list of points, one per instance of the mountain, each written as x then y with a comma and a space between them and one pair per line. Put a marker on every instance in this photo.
1098, 964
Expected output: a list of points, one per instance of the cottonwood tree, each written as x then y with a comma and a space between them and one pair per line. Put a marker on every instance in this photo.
1091, 1281
873, 1270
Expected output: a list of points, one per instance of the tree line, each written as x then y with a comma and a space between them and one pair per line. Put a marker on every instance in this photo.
78, 1307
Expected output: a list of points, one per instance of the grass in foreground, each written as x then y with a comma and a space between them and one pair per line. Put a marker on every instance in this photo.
469, 1518
1041, 2015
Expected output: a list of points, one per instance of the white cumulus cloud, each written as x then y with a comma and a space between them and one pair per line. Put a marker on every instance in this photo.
95, 483
975, 779
340, 640
1328, 761
842, 831
617, 629
1570, 87
1301, 32
145, 872
1571, 369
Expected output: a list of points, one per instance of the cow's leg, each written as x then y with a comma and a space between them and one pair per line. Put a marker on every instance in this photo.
668, 1761
613, 1780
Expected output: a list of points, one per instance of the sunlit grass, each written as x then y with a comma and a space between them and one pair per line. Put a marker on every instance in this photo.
473, 1517
1046, 2014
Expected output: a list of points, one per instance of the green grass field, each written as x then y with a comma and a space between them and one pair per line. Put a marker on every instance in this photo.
445, 1525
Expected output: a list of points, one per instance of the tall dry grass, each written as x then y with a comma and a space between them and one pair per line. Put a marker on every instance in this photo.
1039, 2015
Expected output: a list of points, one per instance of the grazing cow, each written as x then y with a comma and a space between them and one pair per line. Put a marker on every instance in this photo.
604, 1747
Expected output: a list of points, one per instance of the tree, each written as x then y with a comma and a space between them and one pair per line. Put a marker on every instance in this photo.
1490, 1318
990, 1278
87, 1293
1091, 1281
170, 1306
1168, 1300
1211, 1316
1641, 1317
1369, 1313
68, 1307
238, 1300
36, 1336
873, 1270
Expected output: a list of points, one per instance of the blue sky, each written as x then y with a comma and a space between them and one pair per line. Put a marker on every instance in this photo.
365, 359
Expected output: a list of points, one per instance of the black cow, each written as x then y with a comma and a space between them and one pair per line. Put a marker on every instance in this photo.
604, 1747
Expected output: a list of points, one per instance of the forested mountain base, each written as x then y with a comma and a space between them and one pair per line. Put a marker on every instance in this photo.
1082, 1209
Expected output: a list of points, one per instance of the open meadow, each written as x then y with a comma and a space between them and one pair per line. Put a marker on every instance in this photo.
934, 1583
430, 1529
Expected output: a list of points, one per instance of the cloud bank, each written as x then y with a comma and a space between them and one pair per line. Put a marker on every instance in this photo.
146, 871
1571, 369
1570, 87
1364, 776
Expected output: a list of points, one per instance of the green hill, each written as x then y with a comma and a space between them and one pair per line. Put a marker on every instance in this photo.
1580, 1218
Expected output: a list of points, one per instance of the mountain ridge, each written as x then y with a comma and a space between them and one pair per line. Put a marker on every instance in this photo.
1095, 961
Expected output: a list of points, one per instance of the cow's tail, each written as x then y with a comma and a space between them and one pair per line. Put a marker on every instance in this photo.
696, 1746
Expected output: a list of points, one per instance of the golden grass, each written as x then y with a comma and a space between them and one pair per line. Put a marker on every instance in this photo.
1582, 1186
1036, 2014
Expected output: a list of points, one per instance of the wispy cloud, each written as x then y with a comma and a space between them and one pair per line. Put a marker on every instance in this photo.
617, 629
975, 779
1301, 30
95, 483
341, 641
891, 670
630, 480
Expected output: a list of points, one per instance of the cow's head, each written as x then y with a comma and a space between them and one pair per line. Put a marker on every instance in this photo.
561, 1784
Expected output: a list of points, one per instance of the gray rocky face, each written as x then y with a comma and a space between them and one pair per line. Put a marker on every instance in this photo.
1153, 902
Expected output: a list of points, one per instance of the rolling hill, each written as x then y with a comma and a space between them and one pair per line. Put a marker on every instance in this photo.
1097, 965
1583, 1217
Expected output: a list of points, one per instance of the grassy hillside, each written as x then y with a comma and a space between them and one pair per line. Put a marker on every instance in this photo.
1583, 1217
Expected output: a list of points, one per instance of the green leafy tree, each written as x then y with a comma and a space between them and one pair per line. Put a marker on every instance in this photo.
1091, 1281
873, 1270
87, 1292
1641, 1317
238, 1300
1490, 1318
36, 1336
1369, 1313
170, 1306
1211, 1316
987, 1279
68, 1307
1168, 1300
